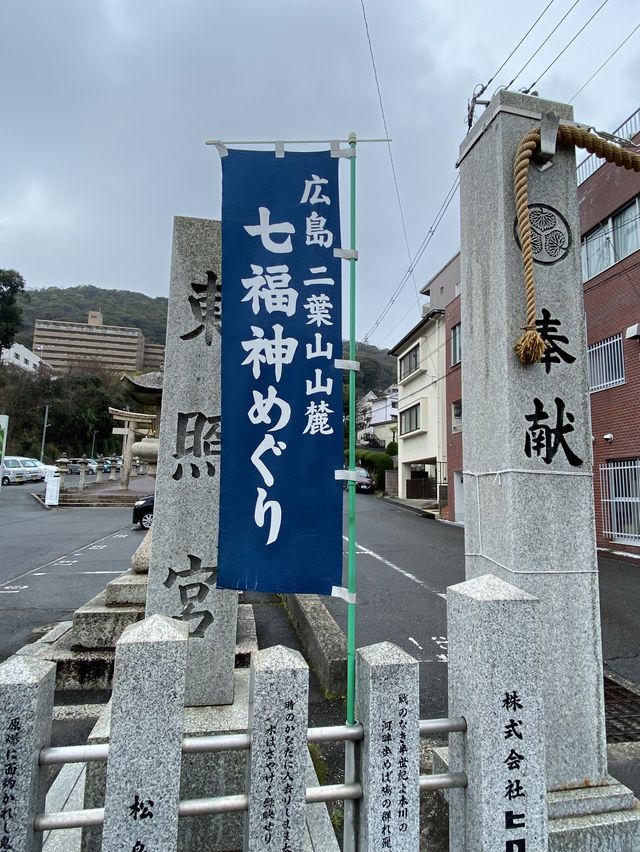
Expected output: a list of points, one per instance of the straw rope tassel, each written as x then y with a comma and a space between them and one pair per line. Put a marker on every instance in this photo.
530, 346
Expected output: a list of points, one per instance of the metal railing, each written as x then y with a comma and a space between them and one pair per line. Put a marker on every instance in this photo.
620, 499
56, 755
627, 130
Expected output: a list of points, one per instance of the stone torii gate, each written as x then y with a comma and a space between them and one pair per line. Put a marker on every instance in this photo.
133, 423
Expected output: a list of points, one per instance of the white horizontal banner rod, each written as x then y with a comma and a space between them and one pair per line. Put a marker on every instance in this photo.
287, 141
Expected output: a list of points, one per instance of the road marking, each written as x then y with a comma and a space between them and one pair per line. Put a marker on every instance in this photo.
122, 535
78, 552
97, 546
100, 572
397, 568
66, 562
12, 590
411, 639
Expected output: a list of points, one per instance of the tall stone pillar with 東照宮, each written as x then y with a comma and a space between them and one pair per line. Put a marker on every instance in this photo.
182, 572
529, 515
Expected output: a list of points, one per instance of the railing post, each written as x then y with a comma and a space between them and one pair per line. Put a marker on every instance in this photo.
145, 748
387, 705
494, 682
278, 718
26, 705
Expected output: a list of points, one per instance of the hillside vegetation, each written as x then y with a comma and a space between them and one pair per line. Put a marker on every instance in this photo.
119, 307
124, 307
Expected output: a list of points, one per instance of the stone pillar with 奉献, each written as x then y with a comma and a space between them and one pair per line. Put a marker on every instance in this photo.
529, 516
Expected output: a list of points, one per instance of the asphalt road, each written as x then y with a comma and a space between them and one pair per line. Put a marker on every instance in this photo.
405, 563
54, 561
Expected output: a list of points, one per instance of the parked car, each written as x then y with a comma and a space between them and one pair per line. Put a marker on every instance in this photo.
30, 469
42, 468
12, 471
143, 511
364, 482
91, 468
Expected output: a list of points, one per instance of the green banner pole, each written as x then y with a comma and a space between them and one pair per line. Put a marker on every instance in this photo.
350, 769
351, 559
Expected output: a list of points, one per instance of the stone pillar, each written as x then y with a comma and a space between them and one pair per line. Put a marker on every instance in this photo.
112, 469
26, 705
278, 719
83, 471
62, 465
145, 748
100, 469
529, 516
494, 672
184, 556
387, 705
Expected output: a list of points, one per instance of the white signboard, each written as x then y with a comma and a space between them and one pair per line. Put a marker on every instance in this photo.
4, 428
53, 488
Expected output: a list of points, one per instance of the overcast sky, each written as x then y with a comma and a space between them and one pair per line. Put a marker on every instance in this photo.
106, 105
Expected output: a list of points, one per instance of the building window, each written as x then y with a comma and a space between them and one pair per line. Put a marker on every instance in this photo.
409, 362
606, 363
614, 239
456, 416
620, 499
456, 345
410, 419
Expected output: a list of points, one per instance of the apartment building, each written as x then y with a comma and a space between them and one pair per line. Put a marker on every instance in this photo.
609, 199
66, 344
19, 356
422, 459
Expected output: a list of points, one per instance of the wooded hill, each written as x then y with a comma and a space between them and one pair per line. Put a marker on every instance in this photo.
124, 307
119, 307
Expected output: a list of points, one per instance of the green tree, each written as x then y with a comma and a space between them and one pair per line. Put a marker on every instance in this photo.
11, 283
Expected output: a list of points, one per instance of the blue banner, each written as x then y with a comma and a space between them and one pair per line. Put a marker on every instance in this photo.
282, 429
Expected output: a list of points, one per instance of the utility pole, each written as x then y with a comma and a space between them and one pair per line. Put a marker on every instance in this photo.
44, 430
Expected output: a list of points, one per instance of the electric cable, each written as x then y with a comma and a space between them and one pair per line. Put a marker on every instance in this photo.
425, 242
569, 43
539, 48
611, 55
386, 133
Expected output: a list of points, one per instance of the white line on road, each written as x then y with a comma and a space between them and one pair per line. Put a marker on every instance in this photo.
100, 572
411, 639
397, 568
79, 552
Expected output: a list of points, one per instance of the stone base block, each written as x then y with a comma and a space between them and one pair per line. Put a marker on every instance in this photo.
202, 775
605, 818
79, 668
142, 556
129, 589
617, 831
96, 625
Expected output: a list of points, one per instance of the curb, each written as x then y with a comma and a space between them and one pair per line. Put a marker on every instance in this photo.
324, 642
424, 513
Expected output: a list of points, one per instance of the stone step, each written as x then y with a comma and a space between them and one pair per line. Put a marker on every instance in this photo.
96, 625
79, 668
612, 831
128, 589
590, 800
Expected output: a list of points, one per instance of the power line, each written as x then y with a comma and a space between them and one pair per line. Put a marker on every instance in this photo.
482, 87
539, 48
611, 55
425, 242
386, 133
569, 43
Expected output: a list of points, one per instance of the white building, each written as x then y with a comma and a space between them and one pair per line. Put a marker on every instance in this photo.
422, 421
20, 356
382, 423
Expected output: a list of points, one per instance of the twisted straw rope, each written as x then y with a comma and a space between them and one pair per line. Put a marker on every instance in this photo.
530, 347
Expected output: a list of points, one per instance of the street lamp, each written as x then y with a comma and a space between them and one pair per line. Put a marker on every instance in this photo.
93, 443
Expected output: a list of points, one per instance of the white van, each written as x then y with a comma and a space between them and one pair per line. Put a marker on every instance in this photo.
13, 473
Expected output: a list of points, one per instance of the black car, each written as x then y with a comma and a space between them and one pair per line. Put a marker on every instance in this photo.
143, 511
364, 482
